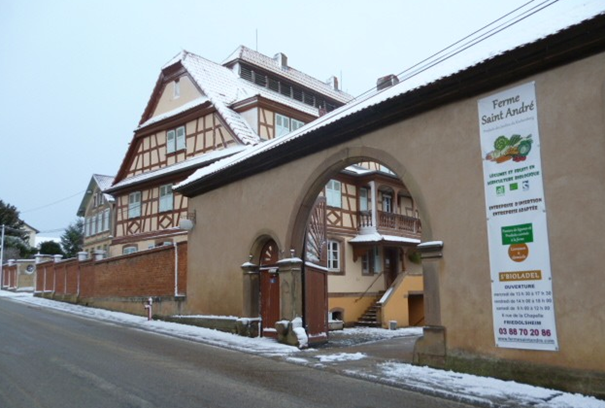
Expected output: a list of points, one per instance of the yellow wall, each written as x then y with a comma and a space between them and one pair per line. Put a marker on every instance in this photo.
168, 102
396, 306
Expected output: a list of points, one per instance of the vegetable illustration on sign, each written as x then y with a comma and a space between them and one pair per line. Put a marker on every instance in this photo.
515, 148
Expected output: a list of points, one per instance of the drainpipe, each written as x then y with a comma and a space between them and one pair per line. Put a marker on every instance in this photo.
176, 270
2, 259
374, 206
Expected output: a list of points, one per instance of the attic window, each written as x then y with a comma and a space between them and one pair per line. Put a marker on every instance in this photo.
176, 89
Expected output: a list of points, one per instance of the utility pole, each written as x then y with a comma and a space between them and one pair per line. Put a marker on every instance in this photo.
2, 259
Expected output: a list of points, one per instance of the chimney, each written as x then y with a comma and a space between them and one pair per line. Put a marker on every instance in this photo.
282, 60
333, 82
386, 82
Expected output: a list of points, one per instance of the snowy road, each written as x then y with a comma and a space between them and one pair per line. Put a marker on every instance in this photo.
52, 359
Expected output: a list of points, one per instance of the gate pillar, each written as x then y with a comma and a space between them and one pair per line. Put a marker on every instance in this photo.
251, 289
291, 288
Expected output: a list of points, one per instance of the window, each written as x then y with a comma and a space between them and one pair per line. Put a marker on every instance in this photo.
387, 203
371, 262
134, 204
333, 194
363, 199
176, 140
87, 227
334, 256
176, 89
99, 222
106, 220
284, 125
130, 249
166, 202
93, 225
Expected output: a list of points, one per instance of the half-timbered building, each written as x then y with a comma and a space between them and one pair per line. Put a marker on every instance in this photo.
198, 113
372, 228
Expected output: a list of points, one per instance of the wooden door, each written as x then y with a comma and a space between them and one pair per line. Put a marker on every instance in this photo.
315, 275
269, 289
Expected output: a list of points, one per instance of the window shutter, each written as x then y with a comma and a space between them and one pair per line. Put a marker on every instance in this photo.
170, 145
181, 142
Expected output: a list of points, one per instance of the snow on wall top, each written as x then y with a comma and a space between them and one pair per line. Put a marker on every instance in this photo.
523, 26
272, 65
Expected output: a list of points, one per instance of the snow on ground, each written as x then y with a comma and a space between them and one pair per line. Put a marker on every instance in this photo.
484, 391
263, 346
341, 357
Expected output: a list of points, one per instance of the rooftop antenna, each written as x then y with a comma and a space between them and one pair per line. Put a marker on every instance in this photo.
257, 40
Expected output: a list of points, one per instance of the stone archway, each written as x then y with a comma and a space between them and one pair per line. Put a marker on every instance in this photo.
331, 166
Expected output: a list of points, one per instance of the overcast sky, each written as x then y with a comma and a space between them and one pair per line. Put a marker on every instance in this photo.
75, 76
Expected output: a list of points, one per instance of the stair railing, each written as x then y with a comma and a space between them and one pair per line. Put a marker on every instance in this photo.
369, 287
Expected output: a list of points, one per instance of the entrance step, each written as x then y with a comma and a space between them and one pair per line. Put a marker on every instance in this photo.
371, 318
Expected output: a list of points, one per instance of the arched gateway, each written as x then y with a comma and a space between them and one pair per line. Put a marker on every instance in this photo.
430, 131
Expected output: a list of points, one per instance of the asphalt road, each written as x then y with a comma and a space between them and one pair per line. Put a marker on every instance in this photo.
52, 359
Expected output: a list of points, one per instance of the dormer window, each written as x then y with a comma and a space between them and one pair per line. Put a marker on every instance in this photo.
285, 125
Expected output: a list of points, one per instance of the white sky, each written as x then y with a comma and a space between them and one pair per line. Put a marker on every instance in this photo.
75, 76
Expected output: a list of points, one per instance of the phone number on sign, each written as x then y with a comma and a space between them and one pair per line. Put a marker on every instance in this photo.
525, 332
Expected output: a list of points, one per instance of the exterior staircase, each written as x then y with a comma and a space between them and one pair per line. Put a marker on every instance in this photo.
371, 318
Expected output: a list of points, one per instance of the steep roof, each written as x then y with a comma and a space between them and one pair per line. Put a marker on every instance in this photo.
530, 39
102, 183
222, 88
245, 54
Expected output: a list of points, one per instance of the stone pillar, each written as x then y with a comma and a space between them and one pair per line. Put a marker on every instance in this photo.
99, 255
251, 286
291, 289
82, 256
431, 348
58, 257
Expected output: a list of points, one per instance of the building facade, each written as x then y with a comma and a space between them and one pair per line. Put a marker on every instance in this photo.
200, 112
426, 129
97, 211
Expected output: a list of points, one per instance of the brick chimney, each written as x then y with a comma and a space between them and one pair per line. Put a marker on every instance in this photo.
386, 82
282, 60
333, 82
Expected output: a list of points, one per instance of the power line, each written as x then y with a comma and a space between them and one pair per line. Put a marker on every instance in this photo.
53, 203
474, 39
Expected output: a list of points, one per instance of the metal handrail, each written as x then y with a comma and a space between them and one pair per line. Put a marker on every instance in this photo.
368, 289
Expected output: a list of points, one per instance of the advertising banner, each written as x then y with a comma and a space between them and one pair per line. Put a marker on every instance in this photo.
522, 297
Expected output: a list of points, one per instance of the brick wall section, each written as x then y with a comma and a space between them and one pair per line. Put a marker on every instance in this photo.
9, 276
145, 273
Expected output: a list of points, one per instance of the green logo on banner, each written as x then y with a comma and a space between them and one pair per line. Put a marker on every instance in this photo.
513, 186
517, 234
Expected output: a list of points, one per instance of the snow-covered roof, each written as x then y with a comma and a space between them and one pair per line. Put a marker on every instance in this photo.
188, 164
272, 65
103, 183
221, 87
174, 112
376, 238
523, 26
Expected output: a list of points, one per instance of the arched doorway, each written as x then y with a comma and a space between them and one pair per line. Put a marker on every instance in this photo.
371, 224
269, 288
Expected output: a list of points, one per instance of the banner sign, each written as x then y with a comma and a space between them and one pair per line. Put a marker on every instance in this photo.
522, 298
